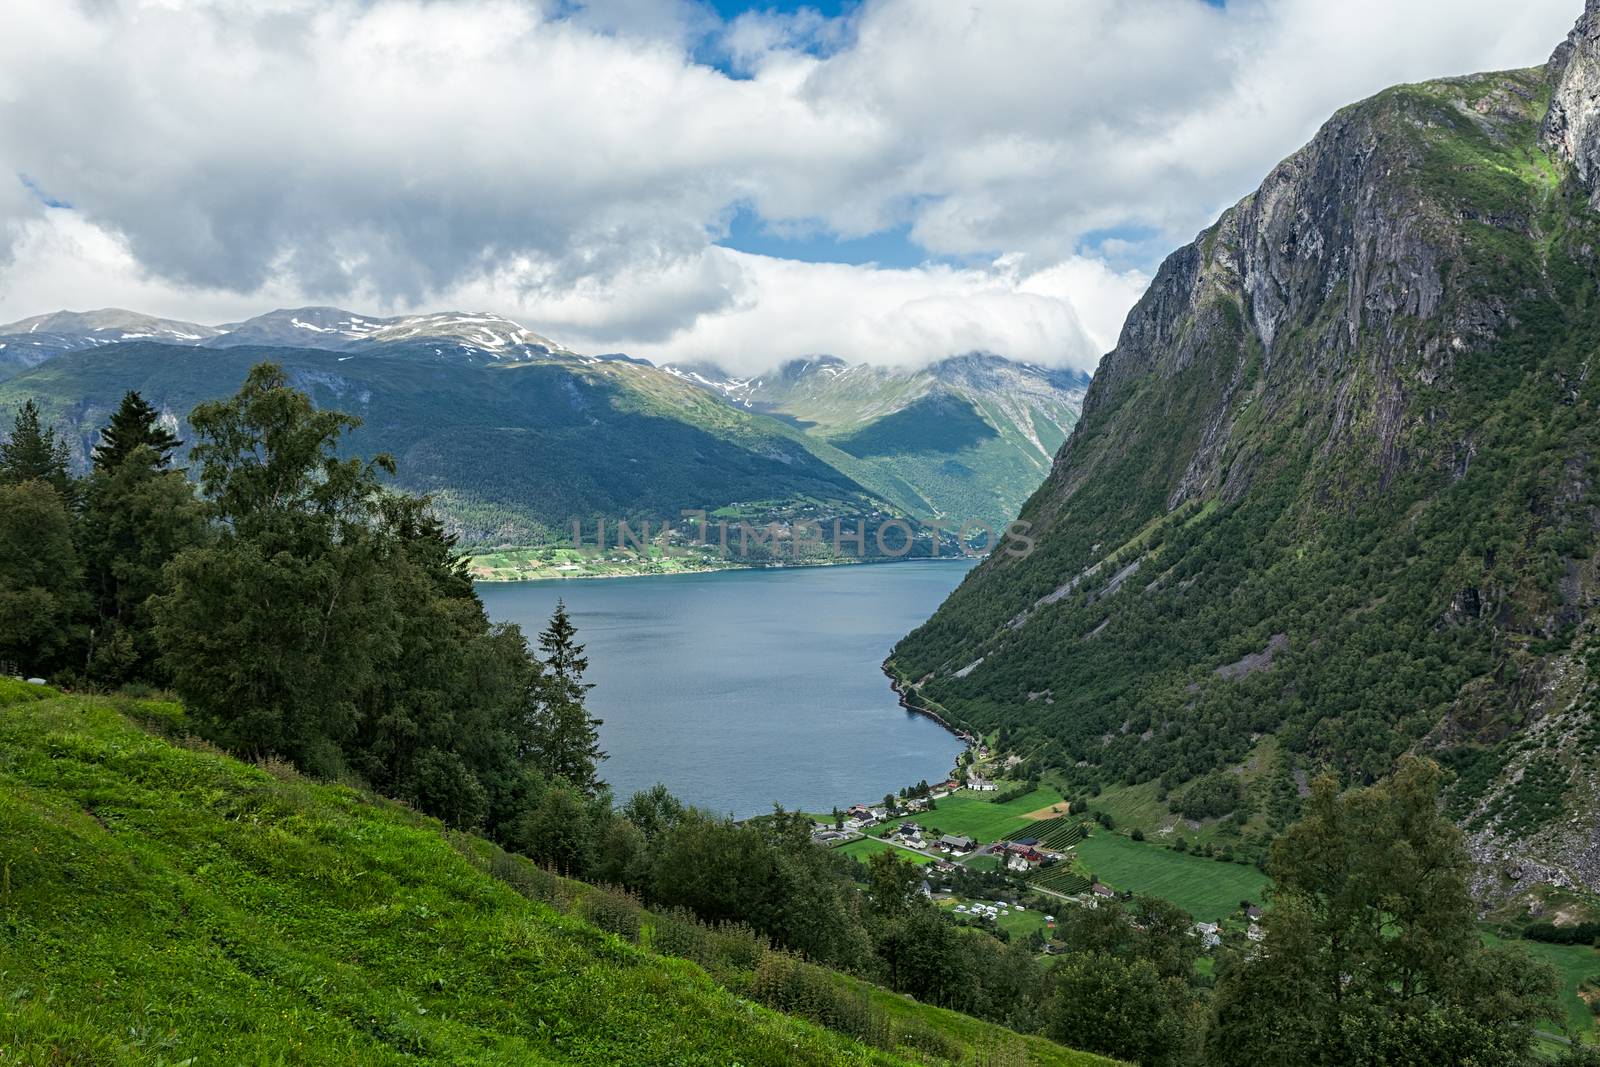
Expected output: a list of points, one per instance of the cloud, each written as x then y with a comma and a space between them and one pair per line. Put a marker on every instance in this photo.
752, 306
574, 162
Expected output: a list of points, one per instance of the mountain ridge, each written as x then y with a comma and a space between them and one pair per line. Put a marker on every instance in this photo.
974, 449
1332, 496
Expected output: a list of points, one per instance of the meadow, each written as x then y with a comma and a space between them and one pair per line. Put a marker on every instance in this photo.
975, 815
863, 848
1575, 964
163, 903
1207, 889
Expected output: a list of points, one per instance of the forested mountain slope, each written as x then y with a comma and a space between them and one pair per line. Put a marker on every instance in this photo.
971, 436
1333, 495
517, 436
512, 449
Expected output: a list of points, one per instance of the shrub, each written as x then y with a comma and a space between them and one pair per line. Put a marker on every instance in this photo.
612, 910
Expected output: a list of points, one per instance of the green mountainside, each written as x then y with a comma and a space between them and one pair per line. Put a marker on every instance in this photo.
163, 903
516, 436
513, 451
971, 436
1333, 497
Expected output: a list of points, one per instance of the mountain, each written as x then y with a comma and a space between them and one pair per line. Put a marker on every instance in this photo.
1333, 497
513, 458
513, 450
31, 341
335, 329
970, 436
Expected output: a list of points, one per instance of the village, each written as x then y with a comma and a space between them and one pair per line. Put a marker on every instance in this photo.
1004, 855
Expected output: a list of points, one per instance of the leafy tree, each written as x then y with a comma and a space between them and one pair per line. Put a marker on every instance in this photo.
271, 632
654, 811
135, 424
35, 453
558, 830
1121, 1007
892, 884
41, 580
1371, 954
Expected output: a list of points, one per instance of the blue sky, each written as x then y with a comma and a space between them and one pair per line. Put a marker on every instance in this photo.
729, 9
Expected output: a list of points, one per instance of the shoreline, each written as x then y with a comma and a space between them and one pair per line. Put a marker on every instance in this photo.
905, 702
854, 562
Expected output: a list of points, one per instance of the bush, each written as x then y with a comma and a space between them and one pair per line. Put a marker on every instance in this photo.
614, 911
794, 987
1551, 934
1210, 796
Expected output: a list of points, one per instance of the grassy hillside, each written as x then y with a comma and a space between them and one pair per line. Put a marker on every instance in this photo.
162, 903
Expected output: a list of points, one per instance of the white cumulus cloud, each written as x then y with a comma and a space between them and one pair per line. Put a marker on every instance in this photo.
574, 164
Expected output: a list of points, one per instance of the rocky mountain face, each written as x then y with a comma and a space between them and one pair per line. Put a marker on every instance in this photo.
1332, 498
971, 436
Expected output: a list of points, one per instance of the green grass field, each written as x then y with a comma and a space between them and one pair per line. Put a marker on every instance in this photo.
864, 847
1574, 963
1207, 889
975, 815
1016, 923
163, 903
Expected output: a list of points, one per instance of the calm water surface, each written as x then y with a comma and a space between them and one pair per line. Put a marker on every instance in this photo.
739, 689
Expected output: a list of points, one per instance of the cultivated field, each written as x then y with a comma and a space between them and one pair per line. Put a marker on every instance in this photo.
1207, 889
975, 815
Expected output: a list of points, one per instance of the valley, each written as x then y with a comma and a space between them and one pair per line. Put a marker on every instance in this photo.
1237, 705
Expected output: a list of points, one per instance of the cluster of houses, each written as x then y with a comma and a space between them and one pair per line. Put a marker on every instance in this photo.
1023, 855
912, 835
859, 818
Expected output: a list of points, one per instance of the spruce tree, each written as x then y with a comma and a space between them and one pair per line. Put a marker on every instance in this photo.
34, 452
564, 741
133, 424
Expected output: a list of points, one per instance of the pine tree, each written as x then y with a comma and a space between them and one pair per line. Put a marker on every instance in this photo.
134, 423
34, 453
138, 515
564, 742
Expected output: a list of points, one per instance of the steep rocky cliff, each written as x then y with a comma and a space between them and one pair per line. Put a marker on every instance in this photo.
1333, 495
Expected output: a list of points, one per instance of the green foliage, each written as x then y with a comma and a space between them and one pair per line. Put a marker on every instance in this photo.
1122, 1008
41, 591
137, 517
1364, 542
135, 424
563, 741
1209, 796
1371, 953
33, 452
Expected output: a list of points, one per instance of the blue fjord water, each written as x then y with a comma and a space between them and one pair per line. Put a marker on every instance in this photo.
739, 689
